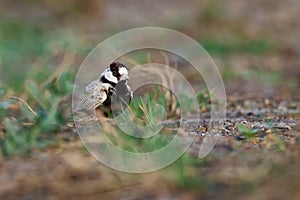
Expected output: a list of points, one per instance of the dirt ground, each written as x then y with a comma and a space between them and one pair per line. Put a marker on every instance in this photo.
236, 168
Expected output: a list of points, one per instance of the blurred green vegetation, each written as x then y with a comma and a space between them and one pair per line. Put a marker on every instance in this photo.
189, 172
35, 84
20, 44
236, 44
36, 123
29, 50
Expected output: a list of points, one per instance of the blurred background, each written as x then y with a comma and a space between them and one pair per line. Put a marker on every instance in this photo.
255, 44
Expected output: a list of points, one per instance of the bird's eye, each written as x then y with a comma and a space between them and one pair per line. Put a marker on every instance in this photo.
115, 73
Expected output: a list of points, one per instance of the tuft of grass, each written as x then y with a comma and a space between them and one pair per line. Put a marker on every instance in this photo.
152, 109
276, 133
273, 133
142, 107
246, 131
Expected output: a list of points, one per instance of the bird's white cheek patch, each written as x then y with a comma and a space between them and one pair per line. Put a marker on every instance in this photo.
123, 71
109, 76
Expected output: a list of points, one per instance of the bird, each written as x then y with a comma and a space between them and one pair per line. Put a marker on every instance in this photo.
112, 82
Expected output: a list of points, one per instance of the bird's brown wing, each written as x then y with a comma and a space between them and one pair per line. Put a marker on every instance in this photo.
95, 94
